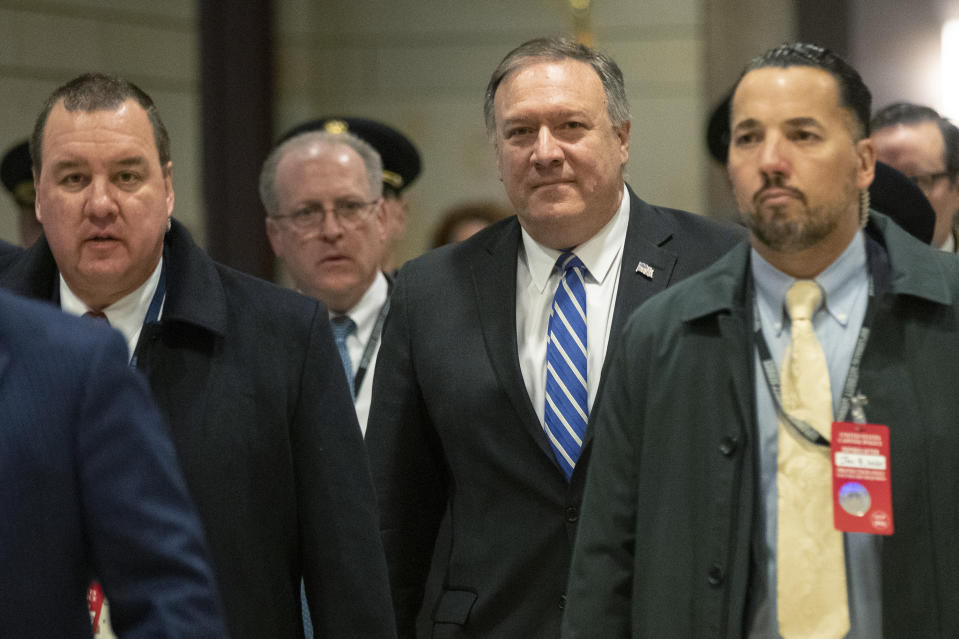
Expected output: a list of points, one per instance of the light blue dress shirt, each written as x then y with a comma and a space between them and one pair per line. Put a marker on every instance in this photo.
845, 286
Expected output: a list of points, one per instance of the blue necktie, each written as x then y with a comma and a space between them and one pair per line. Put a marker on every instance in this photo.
567, 395
343, 327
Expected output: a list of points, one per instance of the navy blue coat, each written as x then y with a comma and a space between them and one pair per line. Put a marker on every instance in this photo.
89, 485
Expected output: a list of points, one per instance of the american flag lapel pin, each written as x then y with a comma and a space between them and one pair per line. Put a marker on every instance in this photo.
645, 269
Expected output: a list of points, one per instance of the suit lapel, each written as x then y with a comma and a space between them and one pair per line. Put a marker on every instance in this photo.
647, 268
494, 280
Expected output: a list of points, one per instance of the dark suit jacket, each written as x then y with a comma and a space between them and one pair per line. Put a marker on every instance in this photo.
452, 423
670, 520
251, 384
89, 485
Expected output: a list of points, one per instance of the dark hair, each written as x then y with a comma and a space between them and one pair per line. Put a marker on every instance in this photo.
453, 218
560, 48
853, 93
97, 92
908, 113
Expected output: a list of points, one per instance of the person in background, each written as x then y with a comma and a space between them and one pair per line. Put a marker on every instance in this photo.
924, 146
475, 409
89, 485
245, 372
323, 193
464, 221
826, 348
401, 166
17, 178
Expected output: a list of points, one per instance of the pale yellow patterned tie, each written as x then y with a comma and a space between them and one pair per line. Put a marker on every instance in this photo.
811, 570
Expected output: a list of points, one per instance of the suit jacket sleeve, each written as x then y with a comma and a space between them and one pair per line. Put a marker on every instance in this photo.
601, 575
344, 567
146, 541
408, 464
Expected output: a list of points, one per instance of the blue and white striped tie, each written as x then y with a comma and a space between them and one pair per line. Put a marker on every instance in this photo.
567, 396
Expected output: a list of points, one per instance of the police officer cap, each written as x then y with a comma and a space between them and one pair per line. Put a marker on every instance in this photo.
401, 160
16, 173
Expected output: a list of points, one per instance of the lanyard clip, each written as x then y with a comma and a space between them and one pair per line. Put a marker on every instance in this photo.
857, 402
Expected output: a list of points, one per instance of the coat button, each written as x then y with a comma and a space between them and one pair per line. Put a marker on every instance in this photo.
716, 576
562, 601
728, 446
572, 514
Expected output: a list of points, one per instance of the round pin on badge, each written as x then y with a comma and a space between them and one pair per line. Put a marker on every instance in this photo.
854, 499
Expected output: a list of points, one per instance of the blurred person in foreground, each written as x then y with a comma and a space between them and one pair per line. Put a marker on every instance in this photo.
89, 485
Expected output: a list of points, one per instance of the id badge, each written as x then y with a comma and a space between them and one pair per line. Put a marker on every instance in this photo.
861, 478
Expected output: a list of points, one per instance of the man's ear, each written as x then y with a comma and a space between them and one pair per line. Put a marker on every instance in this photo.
168, 184
866, 170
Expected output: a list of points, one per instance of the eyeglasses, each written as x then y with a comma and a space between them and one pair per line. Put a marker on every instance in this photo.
348, 214
926, 181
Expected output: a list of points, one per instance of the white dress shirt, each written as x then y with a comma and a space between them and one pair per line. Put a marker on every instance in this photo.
364, 314
536, 283
126, 314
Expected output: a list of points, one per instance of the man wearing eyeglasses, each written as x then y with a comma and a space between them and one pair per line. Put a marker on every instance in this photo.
323, 193
923, 145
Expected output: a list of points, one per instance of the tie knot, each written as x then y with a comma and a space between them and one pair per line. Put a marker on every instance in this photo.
802, 299
343, 327
568, 261
97, 315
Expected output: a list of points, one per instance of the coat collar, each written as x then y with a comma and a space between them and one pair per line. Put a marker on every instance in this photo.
722, 287
194, 290
914, 271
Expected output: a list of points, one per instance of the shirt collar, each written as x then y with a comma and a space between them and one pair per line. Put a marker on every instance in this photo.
949, 245
598, 253
126, 314
842, 283
365, 311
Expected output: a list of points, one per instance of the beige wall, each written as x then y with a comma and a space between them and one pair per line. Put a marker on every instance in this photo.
423, 66
44, 43
735, 32
420, 65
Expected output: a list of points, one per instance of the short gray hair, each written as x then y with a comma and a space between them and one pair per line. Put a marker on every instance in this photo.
371, 160
561, 48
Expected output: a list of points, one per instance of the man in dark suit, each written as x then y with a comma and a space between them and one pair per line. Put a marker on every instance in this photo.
464, 411
245, 372
17, 178
89, 484
717, 504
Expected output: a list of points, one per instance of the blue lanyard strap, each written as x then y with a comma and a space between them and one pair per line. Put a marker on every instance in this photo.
850, 403
153, 311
